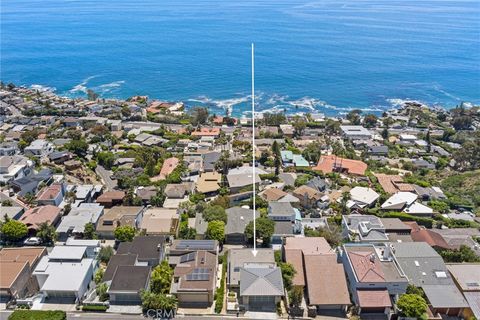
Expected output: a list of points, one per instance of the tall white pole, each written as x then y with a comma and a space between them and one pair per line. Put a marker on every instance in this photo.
253, 153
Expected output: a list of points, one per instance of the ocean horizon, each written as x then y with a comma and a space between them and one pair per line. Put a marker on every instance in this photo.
311, 56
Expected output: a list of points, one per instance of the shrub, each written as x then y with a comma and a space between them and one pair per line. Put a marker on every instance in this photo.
219, 295
95, 307
37, 315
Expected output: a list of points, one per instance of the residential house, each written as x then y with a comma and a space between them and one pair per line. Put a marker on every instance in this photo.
92, 246
309, 197
363, 228
319, 272
127, 283
31, 182
74, 223
237, 220
176, 194
160, 221
422, 234
332, 163
406, 202
209, 160
34, 217
425, 268
467, 279
208, 183
116, 217
284, 212
457, 237
261, 287
287, 130
14, 167
378, 151
64, 275
52, 195
397, 230
111, 198
195, 265
206, 132
362, 197
8, 148
150, 250
146, 193
393, 183
272, 194
242, 178
59, 157
39, 148
374, 277
16, 265
355, 132
318, 184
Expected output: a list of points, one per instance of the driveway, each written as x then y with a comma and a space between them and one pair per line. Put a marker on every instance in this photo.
104, 175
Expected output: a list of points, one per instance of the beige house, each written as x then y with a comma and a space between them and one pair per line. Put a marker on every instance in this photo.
16, 266
116, 217
160, 221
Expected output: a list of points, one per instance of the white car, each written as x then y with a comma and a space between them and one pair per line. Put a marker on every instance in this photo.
33, 241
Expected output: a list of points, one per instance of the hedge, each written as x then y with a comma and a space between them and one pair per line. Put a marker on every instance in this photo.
221, 291
37, 315
94, 307
426, 222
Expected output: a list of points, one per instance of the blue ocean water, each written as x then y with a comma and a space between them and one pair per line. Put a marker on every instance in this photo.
330, 55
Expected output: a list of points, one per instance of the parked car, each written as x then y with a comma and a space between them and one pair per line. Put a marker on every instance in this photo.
32, 241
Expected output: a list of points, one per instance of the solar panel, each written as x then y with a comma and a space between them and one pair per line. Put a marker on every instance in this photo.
199, 274
188, 257
196, 244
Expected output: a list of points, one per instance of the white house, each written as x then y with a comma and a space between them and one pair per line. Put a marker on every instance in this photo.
39, 148
65, 274
356, 132
362, 197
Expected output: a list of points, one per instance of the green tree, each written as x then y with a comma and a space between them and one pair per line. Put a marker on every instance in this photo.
295, 296
101, 292
464, 254
161, 278
46, 232
288, 272
412, 306
370, 120
105, 254
312, 151
354, 116
199, 116
158, 301
124, 233
299, 125
106, 159
216, 231
79, 147
13, 230
98, 275
215, 212
264, 227
89, 231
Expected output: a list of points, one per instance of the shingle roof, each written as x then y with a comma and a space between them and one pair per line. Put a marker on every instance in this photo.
366, 266
130, 278
238, 218
373, 298
266, 281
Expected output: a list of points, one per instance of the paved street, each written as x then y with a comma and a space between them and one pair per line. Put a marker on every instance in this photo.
104, 175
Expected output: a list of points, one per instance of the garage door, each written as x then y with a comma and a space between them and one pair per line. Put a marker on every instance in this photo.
260, 303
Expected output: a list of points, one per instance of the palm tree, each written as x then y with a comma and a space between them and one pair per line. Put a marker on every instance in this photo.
344, 201
46, 232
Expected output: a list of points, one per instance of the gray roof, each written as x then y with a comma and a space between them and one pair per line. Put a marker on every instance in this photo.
283, 228
422, 264
209, 160
242, 180
238, 218
444, 296
237, 258
280, 209
130, 278
200, 224
118, 260
261, 281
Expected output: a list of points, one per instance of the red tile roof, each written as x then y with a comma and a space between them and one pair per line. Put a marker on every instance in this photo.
332, 163
35, 216
373, 298
206, 132
50, 192
168, 166
366, 266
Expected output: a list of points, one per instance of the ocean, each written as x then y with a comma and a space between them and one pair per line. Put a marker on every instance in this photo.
327, 56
